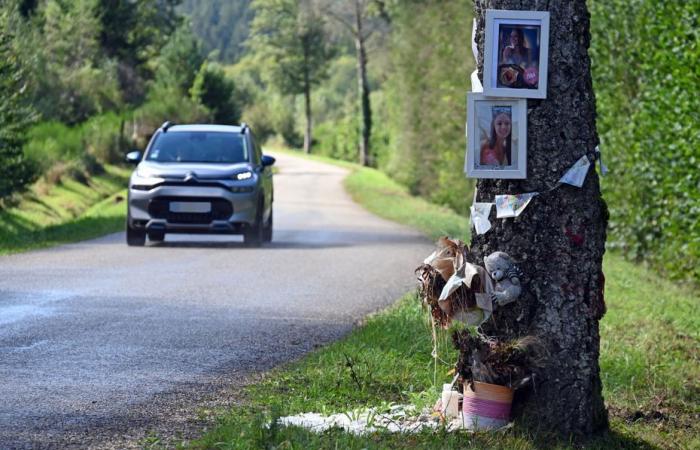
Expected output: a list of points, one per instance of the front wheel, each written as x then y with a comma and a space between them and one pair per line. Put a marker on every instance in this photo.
253, 236
135, 238
267, 229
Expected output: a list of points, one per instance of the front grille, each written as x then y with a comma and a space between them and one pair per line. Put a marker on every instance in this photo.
159, 208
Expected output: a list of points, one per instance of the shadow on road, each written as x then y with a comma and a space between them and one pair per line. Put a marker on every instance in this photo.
298, 239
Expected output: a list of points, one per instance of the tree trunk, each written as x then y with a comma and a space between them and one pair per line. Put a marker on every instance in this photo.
559, 240
307, 111
363, 88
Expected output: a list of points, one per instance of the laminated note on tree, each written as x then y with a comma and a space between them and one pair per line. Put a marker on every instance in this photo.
576, 175
480, 217
512, 205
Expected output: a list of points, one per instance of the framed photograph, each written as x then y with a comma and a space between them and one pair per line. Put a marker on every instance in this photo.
515, 53
496, 137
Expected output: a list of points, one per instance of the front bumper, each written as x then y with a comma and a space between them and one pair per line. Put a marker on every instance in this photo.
230, 212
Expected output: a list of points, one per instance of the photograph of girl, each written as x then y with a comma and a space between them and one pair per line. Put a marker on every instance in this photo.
518, 57
516, 49
496, 137
496, 146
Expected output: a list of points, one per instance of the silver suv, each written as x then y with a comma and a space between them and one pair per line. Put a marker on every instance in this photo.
200, 179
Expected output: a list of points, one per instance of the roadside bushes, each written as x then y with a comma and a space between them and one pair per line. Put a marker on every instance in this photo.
102, 137
425, 111
645, 70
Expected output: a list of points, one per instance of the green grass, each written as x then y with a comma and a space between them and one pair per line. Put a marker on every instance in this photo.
66, 212
650, 362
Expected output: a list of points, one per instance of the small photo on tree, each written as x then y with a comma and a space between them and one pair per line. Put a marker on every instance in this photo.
515, 55
496, 137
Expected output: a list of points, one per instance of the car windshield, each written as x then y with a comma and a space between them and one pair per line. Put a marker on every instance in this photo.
199, 146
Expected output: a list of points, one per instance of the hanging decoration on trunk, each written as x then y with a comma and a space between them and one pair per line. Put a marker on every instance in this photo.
603, 168
456, 290
480, 217
512, 205
576, 175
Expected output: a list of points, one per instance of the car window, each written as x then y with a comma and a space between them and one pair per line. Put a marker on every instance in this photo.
199, 146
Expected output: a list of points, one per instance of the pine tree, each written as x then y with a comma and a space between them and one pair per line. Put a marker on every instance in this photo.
560, 238
15, 171
290, 37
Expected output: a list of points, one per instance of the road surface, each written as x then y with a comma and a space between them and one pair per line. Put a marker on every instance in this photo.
101, 344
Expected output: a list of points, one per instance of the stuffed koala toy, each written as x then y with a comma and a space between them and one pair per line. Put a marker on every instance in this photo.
506, 275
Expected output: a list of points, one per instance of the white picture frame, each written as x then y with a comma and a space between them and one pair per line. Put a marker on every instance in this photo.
516, 52
490, 152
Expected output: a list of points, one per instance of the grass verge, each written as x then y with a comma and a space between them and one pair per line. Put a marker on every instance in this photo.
66, 212
650, 362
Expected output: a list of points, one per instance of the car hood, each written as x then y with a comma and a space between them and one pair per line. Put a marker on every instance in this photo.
198, 170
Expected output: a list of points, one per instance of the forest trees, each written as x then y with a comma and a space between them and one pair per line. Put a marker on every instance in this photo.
15, 170
289, 36
354, 16
560, 238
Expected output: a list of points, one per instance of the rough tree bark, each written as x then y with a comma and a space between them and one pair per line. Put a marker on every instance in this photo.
559, 240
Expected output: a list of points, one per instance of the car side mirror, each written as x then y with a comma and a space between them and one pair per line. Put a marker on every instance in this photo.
134, 157
267, 160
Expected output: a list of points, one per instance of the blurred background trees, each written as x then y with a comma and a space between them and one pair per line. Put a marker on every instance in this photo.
100, 75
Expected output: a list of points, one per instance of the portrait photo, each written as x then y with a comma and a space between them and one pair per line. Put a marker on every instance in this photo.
496, 137
515, 54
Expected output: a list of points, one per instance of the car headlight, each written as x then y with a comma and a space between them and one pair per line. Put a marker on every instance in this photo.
144, 180
243, 175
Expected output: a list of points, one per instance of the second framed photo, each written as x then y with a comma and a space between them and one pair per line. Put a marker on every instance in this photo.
496, 137
515, 53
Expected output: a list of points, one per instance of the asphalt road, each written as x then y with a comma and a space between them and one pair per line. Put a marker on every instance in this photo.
102, 344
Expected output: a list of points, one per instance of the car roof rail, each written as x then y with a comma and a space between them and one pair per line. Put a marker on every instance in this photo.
244, 128
167, 124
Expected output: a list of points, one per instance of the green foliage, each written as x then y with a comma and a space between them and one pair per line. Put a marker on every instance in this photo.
289, 39
105, 138
66, 212
425, 108
102, 139
166, 103
646, 79
133, 32
213, 89
179, 62
73, 78
15, 171
49, 143
222, 25
338, 139
289, 36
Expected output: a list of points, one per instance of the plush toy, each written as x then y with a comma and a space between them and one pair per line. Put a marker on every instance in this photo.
506, 275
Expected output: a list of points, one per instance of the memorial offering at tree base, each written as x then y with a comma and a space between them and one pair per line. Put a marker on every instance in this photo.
456, 291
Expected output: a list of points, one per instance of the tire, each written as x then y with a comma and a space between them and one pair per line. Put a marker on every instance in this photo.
135, 238
267, 229
253, 236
